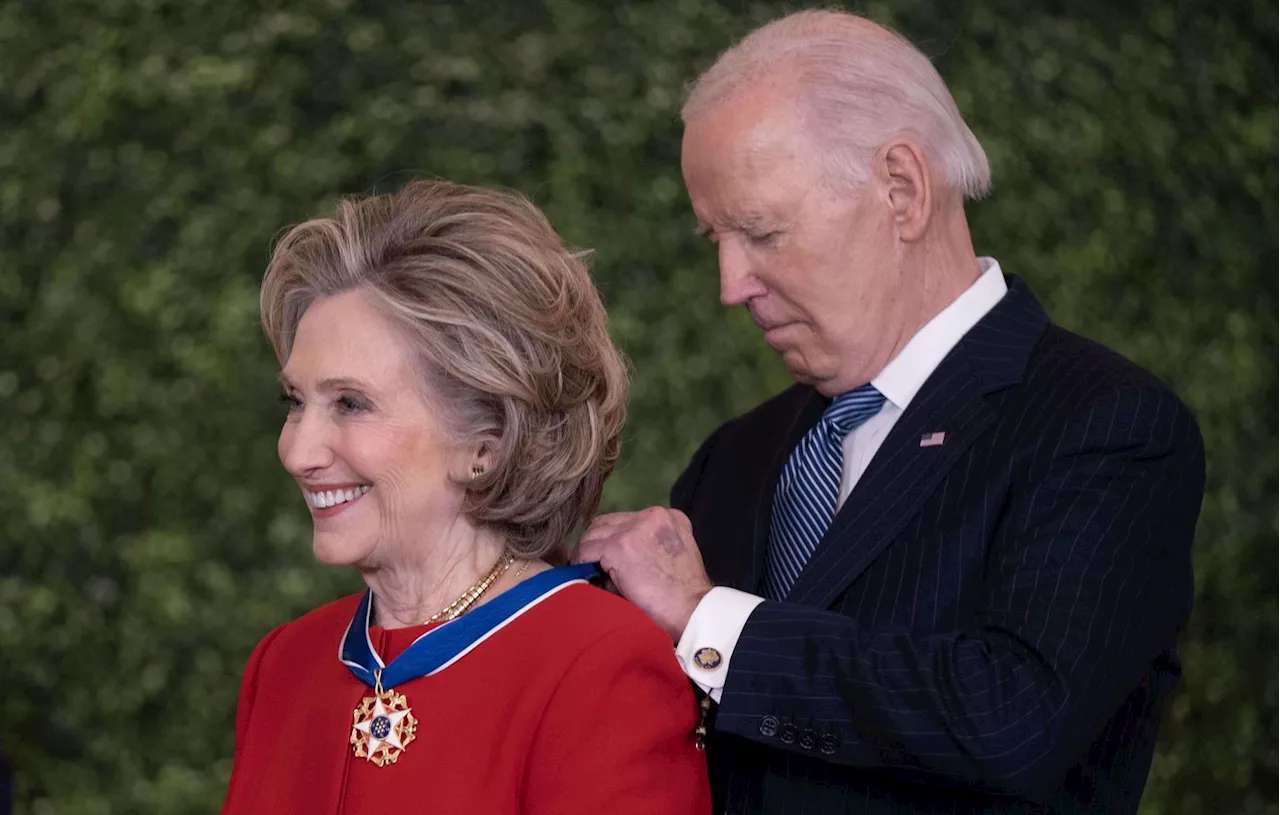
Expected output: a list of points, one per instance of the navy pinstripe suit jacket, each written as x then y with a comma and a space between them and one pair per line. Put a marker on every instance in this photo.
988, 625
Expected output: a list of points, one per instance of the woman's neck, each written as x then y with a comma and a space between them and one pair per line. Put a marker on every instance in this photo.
409, 591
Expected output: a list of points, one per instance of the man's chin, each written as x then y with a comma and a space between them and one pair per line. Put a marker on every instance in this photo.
827, 384
797, 367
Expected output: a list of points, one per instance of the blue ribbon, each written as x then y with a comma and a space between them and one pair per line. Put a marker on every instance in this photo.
440, 647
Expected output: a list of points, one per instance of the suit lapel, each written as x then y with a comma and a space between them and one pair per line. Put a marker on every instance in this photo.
805, 416
901, 476
903, 473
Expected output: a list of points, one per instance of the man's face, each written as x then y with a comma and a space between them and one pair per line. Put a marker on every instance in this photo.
816, 268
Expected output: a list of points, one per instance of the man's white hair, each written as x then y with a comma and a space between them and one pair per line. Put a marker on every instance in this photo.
860, 86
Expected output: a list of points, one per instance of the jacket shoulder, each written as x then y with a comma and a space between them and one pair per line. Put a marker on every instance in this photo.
327, 622
588, 613
1075, 382
1064, 361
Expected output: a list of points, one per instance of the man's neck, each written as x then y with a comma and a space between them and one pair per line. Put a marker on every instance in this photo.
938, 269
946, 266
949, 264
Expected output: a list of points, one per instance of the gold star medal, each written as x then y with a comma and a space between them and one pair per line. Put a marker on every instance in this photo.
382, 726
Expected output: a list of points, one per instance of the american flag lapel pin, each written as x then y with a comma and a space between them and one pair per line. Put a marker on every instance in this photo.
934, 439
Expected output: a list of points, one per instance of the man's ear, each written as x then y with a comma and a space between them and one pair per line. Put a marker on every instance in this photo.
909, 187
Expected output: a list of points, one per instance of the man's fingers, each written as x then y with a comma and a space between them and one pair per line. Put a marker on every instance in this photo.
589, 549
616, 522
598, 549
682, 522
645, 533
595, 537
586, 551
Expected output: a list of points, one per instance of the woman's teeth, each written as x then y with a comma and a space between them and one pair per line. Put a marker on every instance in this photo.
331, 498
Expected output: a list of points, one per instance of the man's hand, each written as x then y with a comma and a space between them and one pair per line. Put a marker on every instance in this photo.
654, 561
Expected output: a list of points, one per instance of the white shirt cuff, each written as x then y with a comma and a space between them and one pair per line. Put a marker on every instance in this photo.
707, 644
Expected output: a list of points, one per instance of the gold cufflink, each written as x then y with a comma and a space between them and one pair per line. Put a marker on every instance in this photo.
708, 659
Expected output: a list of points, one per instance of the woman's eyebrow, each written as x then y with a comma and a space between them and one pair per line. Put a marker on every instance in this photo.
333, 383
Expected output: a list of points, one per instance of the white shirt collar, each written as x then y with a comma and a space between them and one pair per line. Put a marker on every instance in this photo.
907, 372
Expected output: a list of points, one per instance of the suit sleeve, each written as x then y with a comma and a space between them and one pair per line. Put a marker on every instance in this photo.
617, 737
1088, 580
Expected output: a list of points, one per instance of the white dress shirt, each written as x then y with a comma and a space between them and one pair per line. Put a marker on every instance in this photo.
718, 620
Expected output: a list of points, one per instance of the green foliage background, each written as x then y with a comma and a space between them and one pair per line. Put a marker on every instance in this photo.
151, 149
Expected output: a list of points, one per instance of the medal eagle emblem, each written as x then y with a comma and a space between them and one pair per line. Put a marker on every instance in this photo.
382, 727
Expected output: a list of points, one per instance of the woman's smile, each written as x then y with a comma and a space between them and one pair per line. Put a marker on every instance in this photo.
327, 500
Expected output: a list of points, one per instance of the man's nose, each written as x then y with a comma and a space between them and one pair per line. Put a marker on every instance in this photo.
737, 283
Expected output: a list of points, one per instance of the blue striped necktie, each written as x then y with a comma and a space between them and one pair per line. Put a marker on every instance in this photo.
805, 502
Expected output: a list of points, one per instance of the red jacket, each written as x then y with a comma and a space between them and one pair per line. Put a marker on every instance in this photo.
576, 706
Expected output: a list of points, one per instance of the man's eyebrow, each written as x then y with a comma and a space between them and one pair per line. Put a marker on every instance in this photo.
746, 223
742, 223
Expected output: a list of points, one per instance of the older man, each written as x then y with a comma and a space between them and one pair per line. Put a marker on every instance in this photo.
946, 570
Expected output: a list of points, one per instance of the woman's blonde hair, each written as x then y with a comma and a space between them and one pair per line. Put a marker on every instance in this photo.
510, 335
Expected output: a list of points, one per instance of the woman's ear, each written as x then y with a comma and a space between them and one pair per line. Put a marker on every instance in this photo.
482, 460
470, 461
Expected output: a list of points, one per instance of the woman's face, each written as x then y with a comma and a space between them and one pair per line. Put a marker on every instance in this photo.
373, 461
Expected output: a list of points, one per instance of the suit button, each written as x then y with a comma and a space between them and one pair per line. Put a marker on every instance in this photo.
768, 726
808, 739
788, 733
829, 744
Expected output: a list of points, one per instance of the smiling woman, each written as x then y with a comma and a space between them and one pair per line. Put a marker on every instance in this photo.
454, 405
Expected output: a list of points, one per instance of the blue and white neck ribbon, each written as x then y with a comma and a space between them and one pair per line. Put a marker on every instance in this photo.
442, 646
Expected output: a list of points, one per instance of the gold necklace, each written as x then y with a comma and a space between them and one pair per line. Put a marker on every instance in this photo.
458, 607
